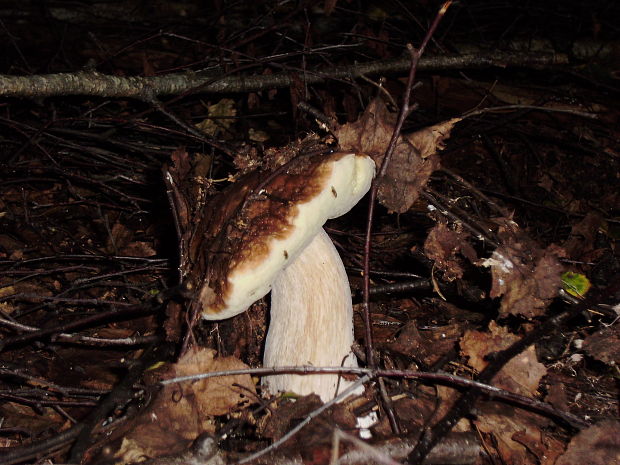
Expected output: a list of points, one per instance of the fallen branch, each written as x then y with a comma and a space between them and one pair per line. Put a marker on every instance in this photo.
448, 379
144, 87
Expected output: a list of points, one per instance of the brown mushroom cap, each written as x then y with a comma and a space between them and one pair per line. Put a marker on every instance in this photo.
251, 236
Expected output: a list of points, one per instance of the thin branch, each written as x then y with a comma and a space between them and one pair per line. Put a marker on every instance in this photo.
403, 113
492, 392
89, 321
306, 420
505, 108
140, 87
464, 403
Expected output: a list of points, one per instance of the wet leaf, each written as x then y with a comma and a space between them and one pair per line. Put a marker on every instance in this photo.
181, 412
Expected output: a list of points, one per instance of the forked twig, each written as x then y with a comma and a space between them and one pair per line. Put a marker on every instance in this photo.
403, 113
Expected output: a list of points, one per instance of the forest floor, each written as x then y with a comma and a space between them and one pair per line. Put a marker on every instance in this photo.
493, 250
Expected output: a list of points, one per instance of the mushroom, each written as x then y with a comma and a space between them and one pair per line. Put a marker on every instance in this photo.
265, 232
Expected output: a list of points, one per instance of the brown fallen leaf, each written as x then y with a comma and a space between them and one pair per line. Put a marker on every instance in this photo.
119, 237
414, 158
522, 374
525, 275
432, 138
427, 346
582, 235
181, 412
604, 345
445, 247
512, 436
221, 117
26, 418
596, 445
287, 412
139, 249
517, 435
316, 437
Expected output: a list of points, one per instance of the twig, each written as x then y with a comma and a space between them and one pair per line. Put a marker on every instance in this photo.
121, 393
86, 340
464, 404
102, 85
502, 108
150, 98
367, 451
306, 420
440, 378
21, 454
403, 113
473, 189
447, 211
457, 448
88, 321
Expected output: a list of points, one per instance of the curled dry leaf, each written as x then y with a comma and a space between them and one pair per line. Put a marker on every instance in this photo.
444, 245
527, 276
181, 412
432, 138
414, 158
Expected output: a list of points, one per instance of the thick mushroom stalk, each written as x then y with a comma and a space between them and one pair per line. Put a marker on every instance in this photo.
311, 321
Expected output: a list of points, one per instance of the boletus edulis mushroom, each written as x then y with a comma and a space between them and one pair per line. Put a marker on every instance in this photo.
265, 233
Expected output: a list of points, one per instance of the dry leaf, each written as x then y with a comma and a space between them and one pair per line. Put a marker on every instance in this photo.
432, 138
221, 117
518, 439
521, 375
413, 160
527, 276
582, 236
119, 237
443, 245
181, 412
596, 445
139, 249
427, 346
516, 433
26, 418
604, 345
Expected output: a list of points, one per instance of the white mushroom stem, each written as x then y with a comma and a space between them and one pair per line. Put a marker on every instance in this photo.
311, 321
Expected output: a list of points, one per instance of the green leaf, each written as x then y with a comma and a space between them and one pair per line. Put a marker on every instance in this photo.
576, 284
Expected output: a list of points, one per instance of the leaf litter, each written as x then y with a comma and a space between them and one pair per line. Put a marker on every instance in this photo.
568, 217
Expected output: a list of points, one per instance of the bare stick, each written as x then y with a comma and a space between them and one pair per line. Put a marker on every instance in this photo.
492, 392
307, 420
103, 85
464, 403
405, 109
